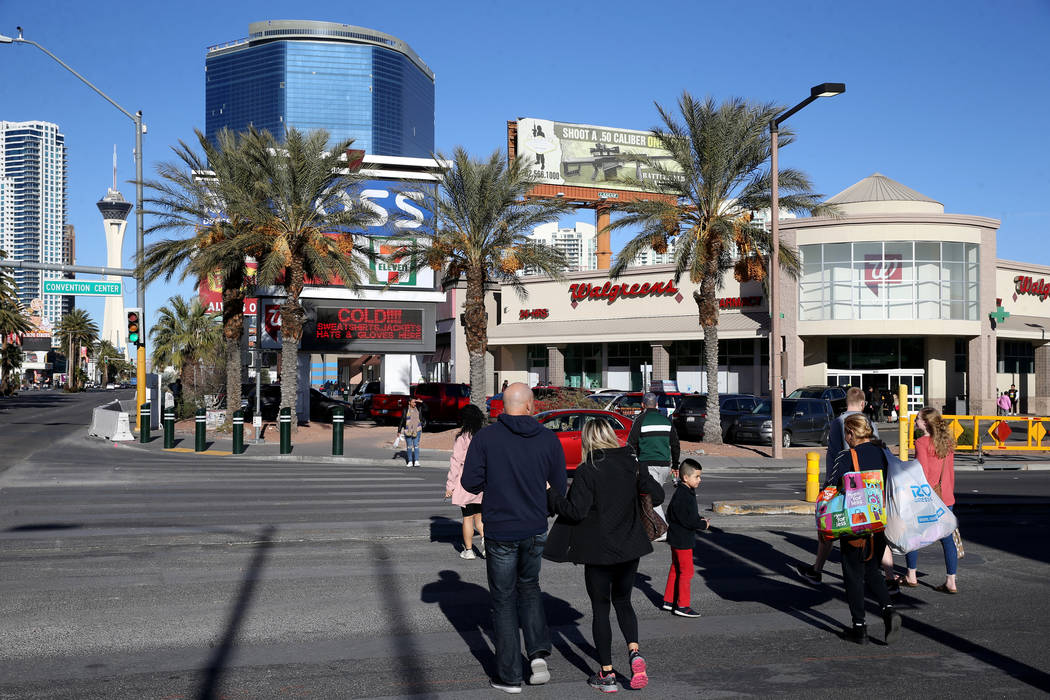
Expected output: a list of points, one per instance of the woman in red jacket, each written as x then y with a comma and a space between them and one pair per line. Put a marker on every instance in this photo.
936, 453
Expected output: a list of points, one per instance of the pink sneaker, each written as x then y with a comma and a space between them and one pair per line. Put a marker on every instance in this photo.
639, 679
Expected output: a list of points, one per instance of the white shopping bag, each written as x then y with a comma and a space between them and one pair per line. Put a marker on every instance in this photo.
915, 515
397, 441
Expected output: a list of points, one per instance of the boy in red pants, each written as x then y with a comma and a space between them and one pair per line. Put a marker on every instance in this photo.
683, 521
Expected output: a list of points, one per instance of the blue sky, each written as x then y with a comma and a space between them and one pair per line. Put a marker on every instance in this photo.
949, 98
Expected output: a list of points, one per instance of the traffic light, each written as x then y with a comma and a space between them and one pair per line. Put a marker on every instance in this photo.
135, 328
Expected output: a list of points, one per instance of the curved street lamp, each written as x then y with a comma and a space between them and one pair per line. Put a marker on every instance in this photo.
140, 129
817, 91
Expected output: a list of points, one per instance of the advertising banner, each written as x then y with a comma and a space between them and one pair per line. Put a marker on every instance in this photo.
369, 326
589, 156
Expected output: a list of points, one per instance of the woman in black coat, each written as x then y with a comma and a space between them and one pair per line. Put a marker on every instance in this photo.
599, 526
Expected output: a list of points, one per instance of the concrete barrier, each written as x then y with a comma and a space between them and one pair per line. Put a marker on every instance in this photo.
110, 422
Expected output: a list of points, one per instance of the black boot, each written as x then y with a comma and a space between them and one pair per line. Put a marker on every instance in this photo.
892, 620
858, 634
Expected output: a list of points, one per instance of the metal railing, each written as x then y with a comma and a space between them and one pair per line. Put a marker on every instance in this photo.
993, 433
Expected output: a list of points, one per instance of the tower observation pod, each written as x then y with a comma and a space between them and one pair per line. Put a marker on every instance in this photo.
114, 209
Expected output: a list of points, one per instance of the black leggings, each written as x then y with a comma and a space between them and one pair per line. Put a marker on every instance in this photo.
611, 583
857, 569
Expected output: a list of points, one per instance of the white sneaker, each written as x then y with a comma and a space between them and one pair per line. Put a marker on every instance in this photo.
467, 554
540, 673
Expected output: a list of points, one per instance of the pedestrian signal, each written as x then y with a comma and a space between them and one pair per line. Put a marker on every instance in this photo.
135, 327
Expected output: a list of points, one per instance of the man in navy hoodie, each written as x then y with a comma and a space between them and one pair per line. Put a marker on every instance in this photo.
512, 461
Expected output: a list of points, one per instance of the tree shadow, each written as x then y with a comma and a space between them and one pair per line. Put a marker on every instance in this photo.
468, 607
397, 615
216, 667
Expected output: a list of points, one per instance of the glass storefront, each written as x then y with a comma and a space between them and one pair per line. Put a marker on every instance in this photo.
878, 280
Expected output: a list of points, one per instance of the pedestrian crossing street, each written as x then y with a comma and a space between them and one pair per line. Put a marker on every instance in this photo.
101, 486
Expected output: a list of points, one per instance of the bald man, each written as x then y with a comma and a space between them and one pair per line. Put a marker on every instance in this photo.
512, 461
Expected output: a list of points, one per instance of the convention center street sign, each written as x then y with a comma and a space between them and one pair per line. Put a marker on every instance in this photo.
83, 288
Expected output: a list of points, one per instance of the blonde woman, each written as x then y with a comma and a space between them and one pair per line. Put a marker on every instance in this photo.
936, 453
599, 526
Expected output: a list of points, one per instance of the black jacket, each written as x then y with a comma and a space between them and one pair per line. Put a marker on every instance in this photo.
511, 461
683, 518
600, 520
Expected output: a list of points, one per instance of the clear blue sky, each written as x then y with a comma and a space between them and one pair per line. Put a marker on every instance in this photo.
949, 98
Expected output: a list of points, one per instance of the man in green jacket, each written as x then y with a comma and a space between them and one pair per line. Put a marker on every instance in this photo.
655, 443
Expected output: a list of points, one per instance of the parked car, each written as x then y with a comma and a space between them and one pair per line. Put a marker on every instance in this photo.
321, 407
691, 417
630, 403
361, 399
271, 401
804, 420
567, 424
544, 398
442, 403
835, 394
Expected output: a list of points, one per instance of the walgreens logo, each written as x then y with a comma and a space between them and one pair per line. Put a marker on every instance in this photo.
882, 269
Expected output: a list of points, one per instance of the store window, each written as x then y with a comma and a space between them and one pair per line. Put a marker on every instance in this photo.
876, 353
583, 365
888, 280
1015, 357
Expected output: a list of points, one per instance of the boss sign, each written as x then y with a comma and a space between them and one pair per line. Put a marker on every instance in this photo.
398, 206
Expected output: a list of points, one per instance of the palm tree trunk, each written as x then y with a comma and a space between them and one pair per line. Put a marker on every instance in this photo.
707, 304
69, 366
3, 365
476, 327
233, 331
292, 317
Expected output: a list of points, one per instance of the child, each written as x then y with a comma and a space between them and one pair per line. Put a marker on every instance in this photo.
683, 520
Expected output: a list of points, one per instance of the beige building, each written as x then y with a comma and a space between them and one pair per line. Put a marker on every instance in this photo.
892, 291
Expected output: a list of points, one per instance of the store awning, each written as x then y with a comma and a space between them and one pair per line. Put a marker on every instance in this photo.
620, 330
1027, 327
442, 353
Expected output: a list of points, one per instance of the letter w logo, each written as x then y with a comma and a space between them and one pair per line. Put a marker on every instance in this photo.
883, 269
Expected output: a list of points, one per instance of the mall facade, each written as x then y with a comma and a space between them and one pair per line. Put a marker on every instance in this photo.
892, 291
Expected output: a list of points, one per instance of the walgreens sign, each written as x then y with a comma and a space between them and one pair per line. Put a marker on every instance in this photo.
1039, 288
611, 292
882, 269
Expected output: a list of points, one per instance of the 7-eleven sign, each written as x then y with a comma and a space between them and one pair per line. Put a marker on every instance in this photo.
387, 270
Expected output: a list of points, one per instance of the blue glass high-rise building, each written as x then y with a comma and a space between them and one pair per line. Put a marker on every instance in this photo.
357, 83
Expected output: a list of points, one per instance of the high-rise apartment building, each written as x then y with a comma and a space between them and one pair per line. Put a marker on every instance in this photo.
33, 208
355, 82
578, 244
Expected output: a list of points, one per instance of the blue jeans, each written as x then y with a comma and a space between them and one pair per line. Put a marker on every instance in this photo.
412, 449
951, 556
514, 581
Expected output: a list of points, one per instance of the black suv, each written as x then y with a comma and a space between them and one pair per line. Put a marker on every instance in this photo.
805, 420
835, 394
362, 398
691, 417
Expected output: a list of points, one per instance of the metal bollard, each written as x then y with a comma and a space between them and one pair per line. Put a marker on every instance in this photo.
238, 432
285, 421
169, 428
337, 430
144, 421
201, 431
812, 476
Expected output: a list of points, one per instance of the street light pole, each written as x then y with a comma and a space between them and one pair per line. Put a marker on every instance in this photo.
822, 90
140, 287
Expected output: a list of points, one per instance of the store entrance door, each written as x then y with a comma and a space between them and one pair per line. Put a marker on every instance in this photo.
885, 383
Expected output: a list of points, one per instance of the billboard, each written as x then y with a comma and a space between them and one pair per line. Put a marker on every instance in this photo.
368, 326
584, 155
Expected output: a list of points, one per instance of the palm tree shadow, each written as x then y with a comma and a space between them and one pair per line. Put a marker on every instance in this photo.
468, 607
216, 667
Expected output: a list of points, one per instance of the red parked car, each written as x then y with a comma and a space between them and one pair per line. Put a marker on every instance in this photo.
541, 394
567, 424
442, 402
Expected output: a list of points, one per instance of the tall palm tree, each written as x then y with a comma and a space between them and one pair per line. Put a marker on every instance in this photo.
481, 226
719, 178
106, 356
305, 222
184, 333
201, 194
13, 322
74, 330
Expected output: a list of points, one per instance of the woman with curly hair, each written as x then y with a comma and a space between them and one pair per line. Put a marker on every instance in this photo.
936, 453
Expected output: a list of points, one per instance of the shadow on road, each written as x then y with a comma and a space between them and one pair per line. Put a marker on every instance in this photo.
39, 527
213, 672
396, 612
468, 607
446, 531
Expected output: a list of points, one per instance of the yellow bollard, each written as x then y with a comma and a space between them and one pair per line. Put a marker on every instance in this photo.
812, 476
902, 420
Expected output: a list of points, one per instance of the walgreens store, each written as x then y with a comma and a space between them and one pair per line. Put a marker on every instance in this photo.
893, 291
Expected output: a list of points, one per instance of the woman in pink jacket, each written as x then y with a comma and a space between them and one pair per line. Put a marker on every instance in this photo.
936, 453
472, 420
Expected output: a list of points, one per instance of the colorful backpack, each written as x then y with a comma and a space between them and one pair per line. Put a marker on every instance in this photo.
858, 508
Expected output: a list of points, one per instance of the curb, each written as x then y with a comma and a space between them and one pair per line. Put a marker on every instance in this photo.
778, 507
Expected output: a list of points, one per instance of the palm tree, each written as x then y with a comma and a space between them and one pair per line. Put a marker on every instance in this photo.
481, 228
106, 356
74, 330
13, 321
304, 221
184, 333
202, 194
719, 178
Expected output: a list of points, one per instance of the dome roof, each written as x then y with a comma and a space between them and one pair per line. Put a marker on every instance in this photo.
880, 194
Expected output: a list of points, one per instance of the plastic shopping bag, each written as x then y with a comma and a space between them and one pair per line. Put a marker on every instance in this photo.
916, 516
397, 441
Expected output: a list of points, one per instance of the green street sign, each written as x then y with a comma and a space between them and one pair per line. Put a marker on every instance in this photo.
84, 288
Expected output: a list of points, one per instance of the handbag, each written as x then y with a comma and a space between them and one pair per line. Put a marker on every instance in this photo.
655, 527
856, 508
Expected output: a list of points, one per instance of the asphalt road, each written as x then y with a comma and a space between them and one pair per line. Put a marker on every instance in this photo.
131, 575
